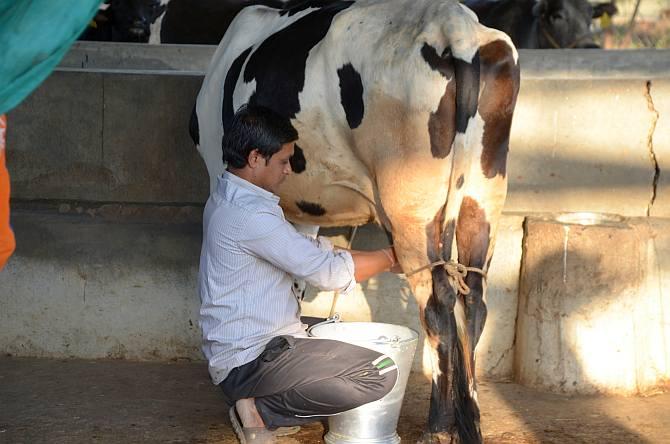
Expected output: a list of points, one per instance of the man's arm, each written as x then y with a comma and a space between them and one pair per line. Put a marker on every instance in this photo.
279, 243
366, 263
273, 239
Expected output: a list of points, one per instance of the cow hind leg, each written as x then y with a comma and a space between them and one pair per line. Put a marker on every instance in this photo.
453, 416
474, 242
454, 320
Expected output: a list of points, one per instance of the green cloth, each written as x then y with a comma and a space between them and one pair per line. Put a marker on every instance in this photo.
34, 37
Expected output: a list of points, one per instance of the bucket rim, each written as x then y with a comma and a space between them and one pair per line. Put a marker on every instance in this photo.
414, 335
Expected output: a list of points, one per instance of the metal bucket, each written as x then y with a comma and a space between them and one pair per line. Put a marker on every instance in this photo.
374, 422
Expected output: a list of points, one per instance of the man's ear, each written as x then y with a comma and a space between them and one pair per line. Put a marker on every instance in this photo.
254, 158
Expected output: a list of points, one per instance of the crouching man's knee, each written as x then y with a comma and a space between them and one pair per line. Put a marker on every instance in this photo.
388, 371
378, 379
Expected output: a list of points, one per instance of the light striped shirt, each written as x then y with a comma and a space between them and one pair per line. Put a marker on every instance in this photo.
250, 256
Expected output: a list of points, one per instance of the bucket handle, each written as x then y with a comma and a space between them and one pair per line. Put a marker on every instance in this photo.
331, 320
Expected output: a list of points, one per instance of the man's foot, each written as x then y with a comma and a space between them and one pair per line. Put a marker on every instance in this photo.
249, 435
254, 434
246, 409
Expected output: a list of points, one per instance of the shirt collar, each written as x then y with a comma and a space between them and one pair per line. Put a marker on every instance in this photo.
238, 182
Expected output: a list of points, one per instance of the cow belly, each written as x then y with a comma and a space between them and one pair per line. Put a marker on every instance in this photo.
309, 200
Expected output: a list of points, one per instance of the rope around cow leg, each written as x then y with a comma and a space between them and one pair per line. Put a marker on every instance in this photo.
456, 273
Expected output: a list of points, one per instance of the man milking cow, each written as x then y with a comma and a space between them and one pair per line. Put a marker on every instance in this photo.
404, 110
271, 373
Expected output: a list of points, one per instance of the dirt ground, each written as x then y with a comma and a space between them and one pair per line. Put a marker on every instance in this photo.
77, 401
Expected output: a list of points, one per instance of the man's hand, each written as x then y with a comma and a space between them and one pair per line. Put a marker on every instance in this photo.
393, 260
369, 263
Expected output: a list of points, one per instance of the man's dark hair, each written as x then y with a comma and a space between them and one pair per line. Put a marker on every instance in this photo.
255, 127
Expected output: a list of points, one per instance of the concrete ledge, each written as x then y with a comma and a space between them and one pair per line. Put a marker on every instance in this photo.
536, 64
77, 287
138, 58
593, 64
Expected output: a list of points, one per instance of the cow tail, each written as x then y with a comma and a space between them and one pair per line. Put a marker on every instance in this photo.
467, 77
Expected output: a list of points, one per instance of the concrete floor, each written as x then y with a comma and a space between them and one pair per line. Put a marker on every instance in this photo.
76, 401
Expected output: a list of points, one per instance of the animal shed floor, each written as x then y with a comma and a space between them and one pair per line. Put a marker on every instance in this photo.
77, 401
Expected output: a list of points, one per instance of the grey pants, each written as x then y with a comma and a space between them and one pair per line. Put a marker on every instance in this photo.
300, 380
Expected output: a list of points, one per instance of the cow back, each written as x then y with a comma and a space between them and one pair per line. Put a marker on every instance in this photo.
353, 78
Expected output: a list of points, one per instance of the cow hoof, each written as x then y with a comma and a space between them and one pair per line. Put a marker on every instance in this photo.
438, 438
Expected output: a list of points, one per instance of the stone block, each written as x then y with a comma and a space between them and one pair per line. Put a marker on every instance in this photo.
495, 351
658, 290
590, 307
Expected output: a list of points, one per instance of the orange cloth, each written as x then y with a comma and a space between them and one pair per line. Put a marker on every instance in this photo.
7, 242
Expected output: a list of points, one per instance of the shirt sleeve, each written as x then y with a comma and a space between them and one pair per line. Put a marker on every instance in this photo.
320, 241
273, 239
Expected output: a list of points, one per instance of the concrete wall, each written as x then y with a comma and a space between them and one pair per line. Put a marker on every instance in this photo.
587, 133
582, 144
105, 137
102, 167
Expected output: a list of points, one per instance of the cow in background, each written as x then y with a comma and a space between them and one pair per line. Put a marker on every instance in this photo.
404, 110
198, 21
124, 21
202, 21
542, 24
532, 24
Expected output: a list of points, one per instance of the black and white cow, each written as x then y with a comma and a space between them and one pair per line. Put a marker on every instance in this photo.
542, 24
124, 21
404, 110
